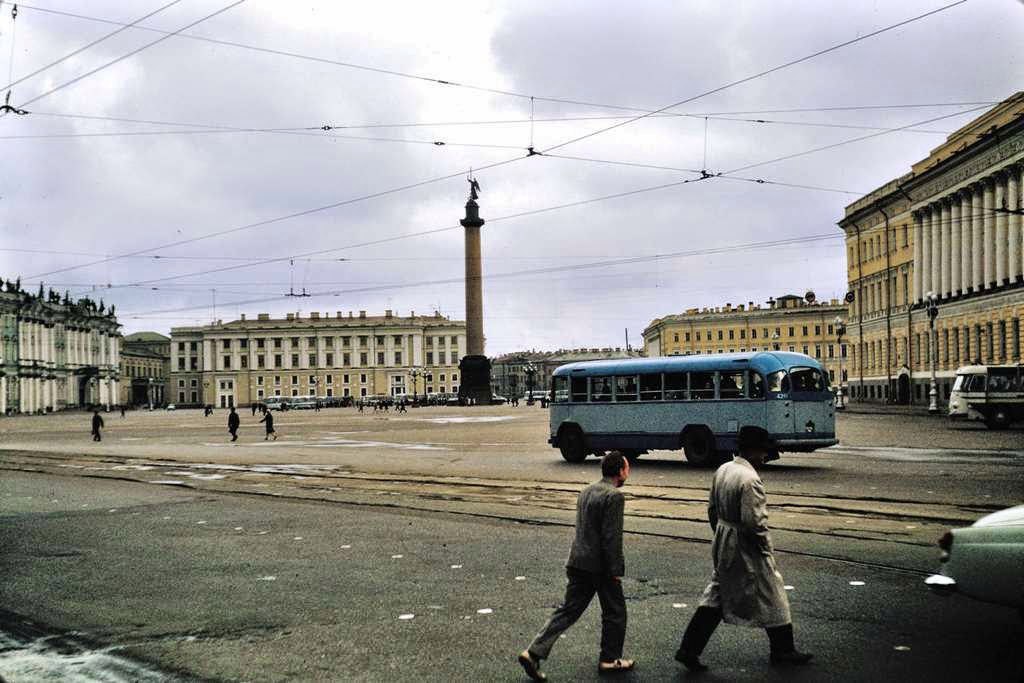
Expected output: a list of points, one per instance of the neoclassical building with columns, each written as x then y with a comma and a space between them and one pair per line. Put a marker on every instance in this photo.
950, 231
56, 353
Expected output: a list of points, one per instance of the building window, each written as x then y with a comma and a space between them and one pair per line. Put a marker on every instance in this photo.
329, 379
225, 344
181, 349
295, 360
181, 397
805, 330
181, 363
344, 379
260, 343
330, 392
380, 340
295, 380
687, 335
243, 361
1002, 340
295, 392
260, 361
294, 342
1015, 328
675, 337
346, 360
329, 341
311, 341
277, 360
277, 380
732, 334
193, 346
259, 380
362, 341
345, 342
363, 359
792, 331
277, 342
398, 357
430, 357
440, 357
312, 360
330, 360
719, 335
362, 392
380, 358
362, 378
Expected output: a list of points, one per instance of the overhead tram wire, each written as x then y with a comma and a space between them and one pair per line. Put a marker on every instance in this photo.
11, 83
558, 146
760, 74
381, 70
278, 219
123, 57
213, 127
538, 271
493, 220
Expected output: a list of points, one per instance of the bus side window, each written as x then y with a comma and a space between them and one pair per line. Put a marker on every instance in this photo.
560, 390
702, 386
730, 384
625, 388
756, 386
778, 382
977, 383
675, 386
650, 387
579, 390
600, 389
1001, 379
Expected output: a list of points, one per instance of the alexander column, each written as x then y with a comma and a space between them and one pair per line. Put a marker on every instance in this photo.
474, 368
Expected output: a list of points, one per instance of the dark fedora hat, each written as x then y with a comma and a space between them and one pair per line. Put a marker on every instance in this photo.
755, 438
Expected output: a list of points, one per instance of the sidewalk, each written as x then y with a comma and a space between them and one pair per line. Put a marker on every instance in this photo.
869, 408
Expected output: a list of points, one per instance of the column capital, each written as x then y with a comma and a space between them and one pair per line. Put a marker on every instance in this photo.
965, 192
1001, 175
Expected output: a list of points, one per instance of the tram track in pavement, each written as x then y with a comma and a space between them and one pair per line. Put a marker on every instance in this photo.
824, 526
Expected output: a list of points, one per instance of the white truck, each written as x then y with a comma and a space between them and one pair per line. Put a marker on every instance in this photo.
993, 394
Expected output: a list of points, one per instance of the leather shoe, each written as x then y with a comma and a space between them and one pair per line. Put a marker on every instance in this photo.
791, 657
691, 662
531, 666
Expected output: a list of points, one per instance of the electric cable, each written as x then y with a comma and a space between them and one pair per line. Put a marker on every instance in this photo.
123, 57
11, 83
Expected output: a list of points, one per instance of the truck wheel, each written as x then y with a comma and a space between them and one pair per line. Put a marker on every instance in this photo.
572, 446
699, 447
997, 419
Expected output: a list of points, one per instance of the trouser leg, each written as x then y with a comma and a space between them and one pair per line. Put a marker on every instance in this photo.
781, 638
613, 619
578, 594
698, 632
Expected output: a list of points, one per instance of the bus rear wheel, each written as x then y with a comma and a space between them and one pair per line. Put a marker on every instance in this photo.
997, 419
699, 447
572, 445
632, 455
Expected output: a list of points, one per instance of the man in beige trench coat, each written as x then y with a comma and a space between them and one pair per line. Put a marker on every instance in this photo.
746, 587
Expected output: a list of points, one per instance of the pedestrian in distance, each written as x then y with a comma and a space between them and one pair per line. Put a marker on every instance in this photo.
254, 409
233, 423
97, 425
595, 565
316, 407
122, 410
268, 418
746, 587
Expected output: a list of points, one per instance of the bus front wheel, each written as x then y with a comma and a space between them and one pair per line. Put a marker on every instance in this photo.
699, 447
572, 445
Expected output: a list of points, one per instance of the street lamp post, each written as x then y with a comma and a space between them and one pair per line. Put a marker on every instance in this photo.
416, 372
530, 369
840, 331
933, 312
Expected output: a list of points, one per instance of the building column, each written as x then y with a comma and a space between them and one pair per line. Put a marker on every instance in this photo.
1000, 222
988, 231
936, 243
977, 238
965, 240
1016, 268
918, 266
955, 283
945, 250
926, 252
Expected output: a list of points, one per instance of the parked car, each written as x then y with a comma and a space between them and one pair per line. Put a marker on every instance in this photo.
984, 561
302, 404
170, 406
497, 400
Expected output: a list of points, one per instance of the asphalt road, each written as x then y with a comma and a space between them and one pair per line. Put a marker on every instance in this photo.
167, 551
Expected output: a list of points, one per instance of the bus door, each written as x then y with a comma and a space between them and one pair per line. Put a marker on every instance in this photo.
812, 407
779, 404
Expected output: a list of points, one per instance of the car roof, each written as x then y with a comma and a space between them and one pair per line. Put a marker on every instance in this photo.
762, 361
1009, 517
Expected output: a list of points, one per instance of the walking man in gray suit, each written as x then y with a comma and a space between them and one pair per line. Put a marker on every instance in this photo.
595, 565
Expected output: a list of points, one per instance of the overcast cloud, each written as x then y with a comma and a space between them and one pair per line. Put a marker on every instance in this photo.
111, 195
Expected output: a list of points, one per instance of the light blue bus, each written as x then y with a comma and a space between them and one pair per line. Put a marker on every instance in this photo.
696, 403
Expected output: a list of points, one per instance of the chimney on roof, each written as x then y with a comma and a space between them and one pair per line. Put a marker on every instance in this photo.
740, 307
337, 314
263, 316
750, 305
243, 317
314, 315
387, 313
350, 315
362, 314
290, 316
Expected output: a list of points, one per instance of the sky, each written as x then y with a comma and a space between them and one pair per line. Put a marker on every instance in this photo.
134, 184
